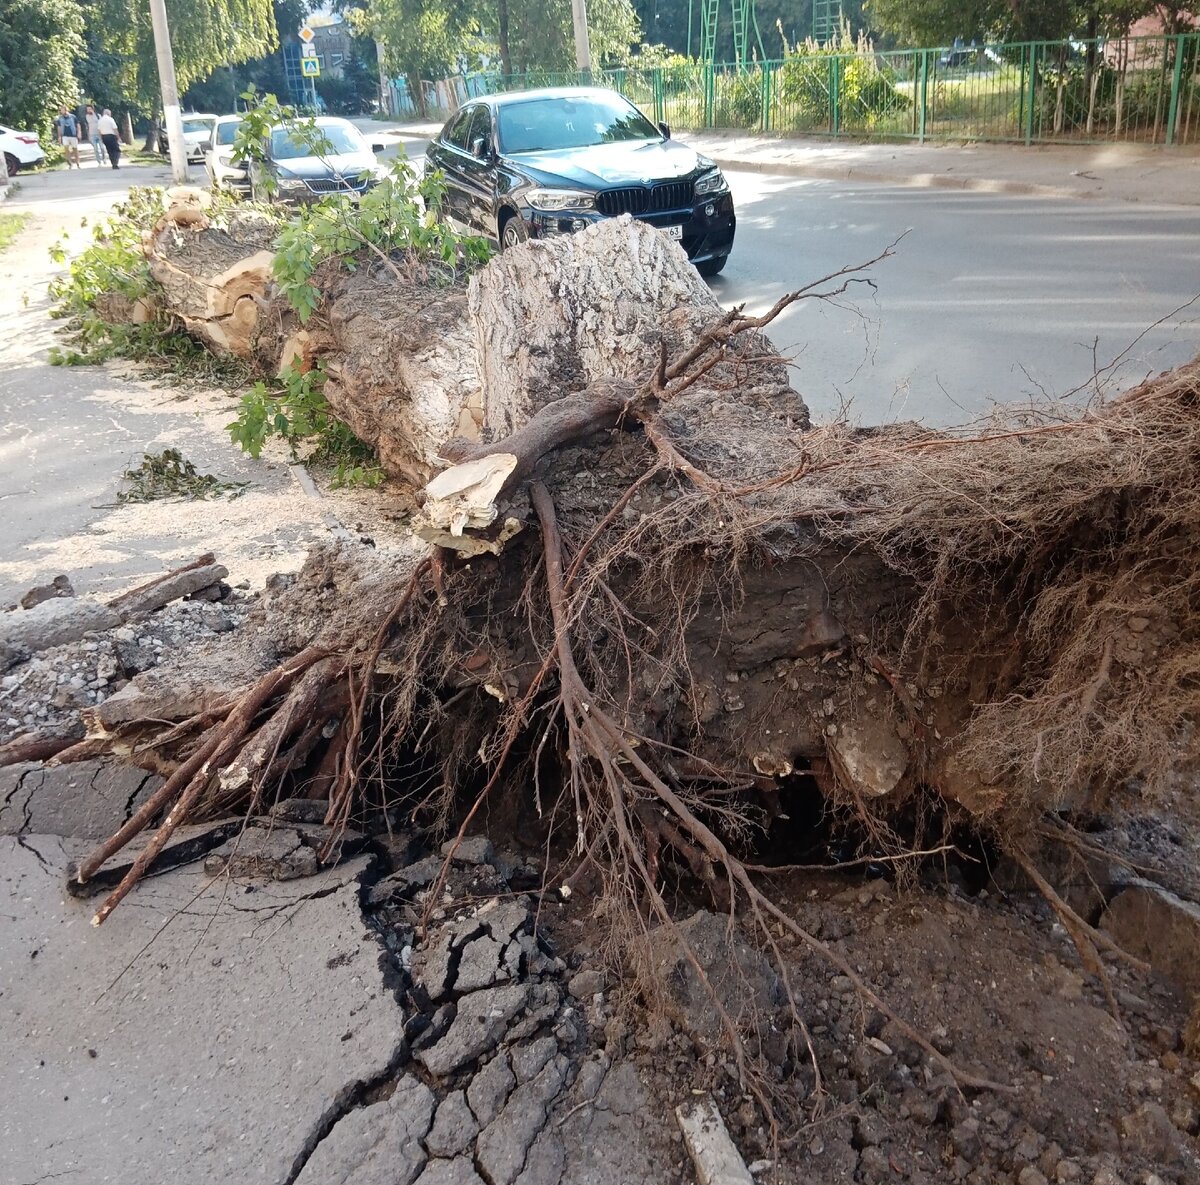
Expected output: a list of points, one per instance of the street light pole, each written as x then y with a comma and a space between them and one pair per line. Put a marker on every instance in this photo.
583, 49
170, 91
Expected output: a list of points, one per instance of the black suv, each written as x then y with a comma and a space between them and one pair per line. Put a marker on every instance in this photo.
548, 162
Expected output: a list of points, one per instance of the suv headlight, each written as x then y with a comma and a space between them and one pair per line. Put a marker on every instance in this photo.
713, 182
560, 199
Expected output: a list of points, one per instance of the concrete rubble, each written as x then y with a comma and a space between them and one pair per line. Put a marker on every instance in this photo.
65, 653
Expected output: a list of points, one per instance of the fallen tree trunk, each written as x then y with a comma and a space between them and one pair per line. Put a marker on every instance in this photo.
692, 598
415, 363
214, 277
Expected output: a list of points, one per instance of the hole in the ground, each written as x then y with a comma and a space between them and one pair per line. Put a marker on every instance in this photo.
803, 827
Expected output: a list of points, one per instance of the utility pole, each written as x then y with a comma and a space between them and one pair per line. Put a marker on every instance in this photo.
170, 91
583, 50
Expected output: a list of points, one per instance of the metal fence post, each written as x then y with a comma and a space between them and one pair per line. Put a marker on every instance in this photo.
765, 118
924, 96
709, 87
835, 86
658, 95
1176, 83
1031, 97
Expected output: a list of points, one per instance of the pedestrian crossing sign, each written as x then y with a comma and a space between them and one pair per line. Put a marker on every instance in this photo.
310, 67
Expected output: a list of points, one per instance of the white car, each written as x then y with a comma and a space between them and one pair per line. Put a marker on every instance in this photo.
21, 149
196, 131
223, 171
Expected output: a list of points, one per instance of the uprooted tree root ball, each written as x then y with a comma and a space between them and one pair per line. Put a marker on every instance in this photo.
654, 597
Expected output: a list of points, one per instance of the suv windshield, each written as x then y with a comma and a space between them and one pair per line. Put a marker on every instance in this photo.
227, 132
538, 125
286, 145
197, 125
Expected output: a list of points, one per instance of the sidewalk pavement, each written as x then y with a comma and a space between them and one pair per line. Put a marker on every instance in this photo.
1122, 172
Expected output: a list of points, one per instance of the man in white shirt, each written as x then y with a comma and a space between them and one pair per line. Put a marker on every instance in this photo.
107, 127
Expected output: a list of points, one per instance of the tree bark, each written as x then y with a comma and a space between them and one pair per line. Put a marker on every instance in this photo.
502, 37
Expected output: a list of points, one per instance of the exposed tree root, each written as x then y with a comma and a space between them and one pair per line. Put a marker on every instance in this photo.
184, 788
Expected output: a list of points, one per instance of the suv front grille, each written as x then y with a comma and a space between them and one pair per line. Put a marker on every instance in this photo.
645, 199
341, 185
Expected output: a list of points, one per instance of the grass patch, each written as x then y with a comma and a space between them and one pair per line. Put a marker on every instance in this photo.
11, 225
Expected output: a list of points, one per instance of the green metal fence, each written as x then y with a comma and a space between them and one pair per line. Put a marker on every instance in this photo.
1143, 90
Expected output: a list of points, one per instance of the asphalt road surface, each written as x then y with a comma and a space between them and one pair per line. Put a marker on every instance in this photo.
988, 299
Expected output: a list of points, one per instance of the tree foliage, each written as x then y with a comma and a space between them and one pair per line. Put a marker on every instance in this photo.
939, 22
205, 34
541, 36
434, 38
423, 38
666, 22
40, 41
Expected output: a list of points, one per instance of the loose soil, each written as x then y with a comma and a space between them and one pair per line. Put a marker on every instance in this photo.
995, 981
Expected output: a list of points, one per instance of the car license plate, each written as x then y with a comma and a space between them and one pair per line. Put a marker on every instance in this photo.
673, 232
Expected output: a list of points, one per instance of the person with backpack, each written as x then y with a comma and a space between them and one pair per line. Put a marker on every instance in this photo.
107, 127
66, 131
93, 132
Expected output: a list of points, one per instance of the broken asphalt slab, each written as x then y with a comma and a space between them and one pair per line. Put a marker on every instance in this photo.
223, 1029
205, 1033
87, 800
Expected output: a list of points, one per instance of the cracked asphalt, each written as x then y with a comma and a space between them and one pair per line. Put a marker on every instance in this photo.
226, 1025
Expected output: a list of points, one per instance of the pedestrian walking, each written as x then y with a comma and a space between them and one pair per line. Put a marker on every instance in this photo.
107, 126
92, 119
66, 129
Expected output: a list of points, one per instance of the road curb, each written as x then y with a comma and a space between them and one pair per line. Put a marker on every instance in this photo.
908, 180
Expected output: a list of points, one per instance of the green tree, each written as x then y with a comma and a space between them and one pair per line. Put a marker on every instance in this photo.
541, 36
99, 73
422, 38
265, 74
205, 35
358, 87
669, 23
938, 22
40, 41
935, 22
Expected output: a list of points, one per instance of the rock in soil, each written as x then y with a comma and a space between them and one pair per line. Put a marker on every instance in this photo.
1159, 927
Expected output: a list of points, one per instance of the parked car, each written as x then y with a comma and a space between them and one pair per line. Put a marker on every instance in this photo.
539, 163
196, 132
22, 150
223, 171
953, 59
292, 172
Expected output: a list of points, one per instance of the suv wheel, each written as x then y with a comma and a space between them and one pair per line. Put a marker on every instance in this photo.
514, 233
11, 164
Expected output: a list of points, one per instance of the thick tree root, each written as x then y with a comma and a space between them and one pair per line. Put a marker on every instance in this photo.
186, 785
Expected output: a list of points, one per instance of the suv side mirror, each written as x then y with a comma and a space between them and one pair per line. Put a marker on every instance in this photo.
480, 149
665, 128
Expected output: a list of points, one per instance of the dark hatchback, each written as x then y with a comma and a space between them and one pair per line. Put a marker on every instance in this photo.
549, 162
